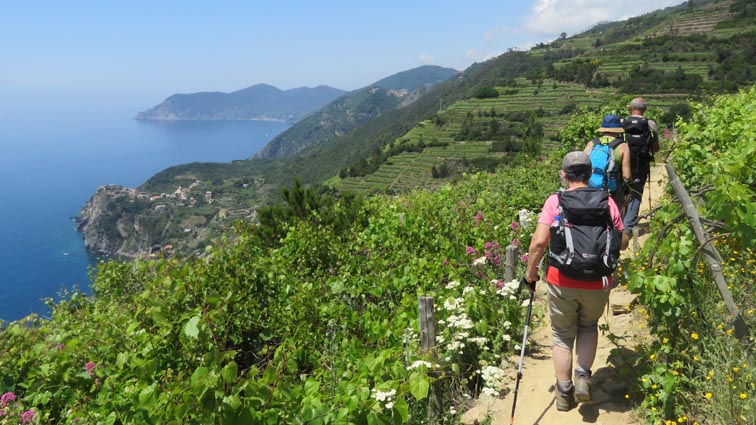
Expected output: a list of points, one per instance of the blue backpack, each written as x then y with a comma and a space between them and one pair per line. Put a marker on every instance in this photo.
604, 166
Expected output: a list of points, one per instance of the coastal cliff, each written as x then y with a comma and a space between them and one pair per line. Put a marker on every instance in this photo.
129, 223
109, 228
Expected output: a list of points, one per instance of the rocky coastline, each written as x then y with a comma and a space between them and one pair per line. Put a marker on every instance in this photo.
104, 227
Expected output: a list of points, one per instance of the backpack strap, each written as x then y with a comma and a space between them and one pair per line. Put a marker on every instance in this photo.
616, 142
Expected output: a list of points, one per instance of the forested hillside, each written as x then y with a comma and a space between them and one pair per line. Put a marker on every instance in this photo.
354, 109
312, 317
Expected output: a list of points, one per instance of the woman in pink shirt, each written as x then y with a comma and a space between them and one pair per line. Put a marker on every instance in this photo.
574, 305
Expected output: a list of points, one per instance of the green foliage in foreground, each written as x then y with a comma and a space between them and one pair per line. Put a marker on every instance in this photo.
315, 321
696, 369
319, 327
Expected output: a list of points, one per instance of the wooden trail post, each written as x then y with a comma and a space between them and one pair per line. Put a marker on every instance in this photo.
713, 258
428, 344
427, 326
510, 263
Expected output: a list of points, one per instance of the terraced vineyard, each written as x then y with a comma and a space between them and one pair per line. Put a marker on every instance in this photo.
701, 20
413, 170
549, 96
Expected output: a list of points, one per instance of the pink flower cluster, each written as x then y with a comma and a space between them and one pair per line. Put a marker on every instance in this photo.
493, 253
478, 218
7, 399
90, 367
28, 417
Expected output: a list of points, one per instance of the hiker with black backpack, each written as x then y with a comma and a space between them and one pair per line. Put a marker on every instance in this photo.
610, 159
582, 227
642, 136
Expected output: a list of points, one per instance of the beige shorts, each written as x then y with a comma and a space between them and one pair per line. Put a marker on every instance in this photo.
573, 312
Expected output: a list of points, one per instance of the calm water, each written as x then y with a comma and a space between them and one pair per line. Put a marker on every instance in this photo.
51, 163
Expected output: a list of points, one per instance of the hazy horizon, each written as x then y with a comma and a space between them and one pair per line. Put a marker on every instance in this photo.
139, 53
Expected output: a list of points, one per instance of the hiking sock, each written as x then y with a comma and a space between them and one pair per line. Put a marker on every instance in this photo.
582, 371
564, 387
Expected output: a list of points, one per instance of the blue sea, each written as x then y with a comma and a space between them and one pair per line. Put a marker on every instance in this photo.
53, 160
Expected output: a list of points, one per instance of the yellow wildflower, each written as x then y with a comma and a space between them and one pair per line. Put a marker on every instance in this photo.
743, 396
694, 335
708, 395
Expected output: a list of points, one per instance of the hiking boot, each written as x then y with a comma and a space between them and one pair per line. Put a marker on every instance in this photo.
565, 401
583, 389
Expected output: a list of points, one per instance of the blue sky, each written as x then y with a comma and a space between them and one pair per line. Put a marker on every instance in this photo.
146, 50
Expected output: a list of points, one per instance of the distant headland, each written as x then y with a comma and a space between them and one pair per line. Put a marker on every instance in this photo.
260, 102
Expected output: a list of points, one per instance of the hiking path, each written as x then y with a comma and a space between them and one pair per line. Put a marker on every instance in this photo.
612, 368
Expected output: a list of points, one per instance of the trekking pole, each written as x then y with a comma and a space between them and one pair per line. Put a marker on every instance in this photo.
523, 282
650, 204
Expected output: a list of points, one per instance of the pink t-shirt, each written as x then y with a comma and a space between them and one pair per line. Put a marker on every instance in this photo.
553, 276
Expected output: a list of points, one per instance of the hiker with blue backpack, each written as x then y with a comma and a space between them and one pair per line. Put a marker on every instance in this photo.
610, 159
582, 228
642, 136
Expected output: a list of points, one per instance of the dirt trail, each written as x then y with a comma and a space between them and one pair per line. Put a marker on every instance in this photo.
535, 398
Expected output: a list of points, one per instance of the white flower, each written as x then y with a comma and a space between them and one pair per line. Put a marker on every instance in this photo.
456, 345
389, 405
507, 324
453, 304
479, 261
509, 288
467, 290
506, 337
418, 363
489, 391
526, 218
439, 339
453, 284
460, 321
383, 395
481, 341
493, 377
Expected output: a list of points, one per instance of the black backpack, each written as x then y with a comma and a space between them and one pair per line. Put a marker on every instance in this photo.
584, 245
639, 137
